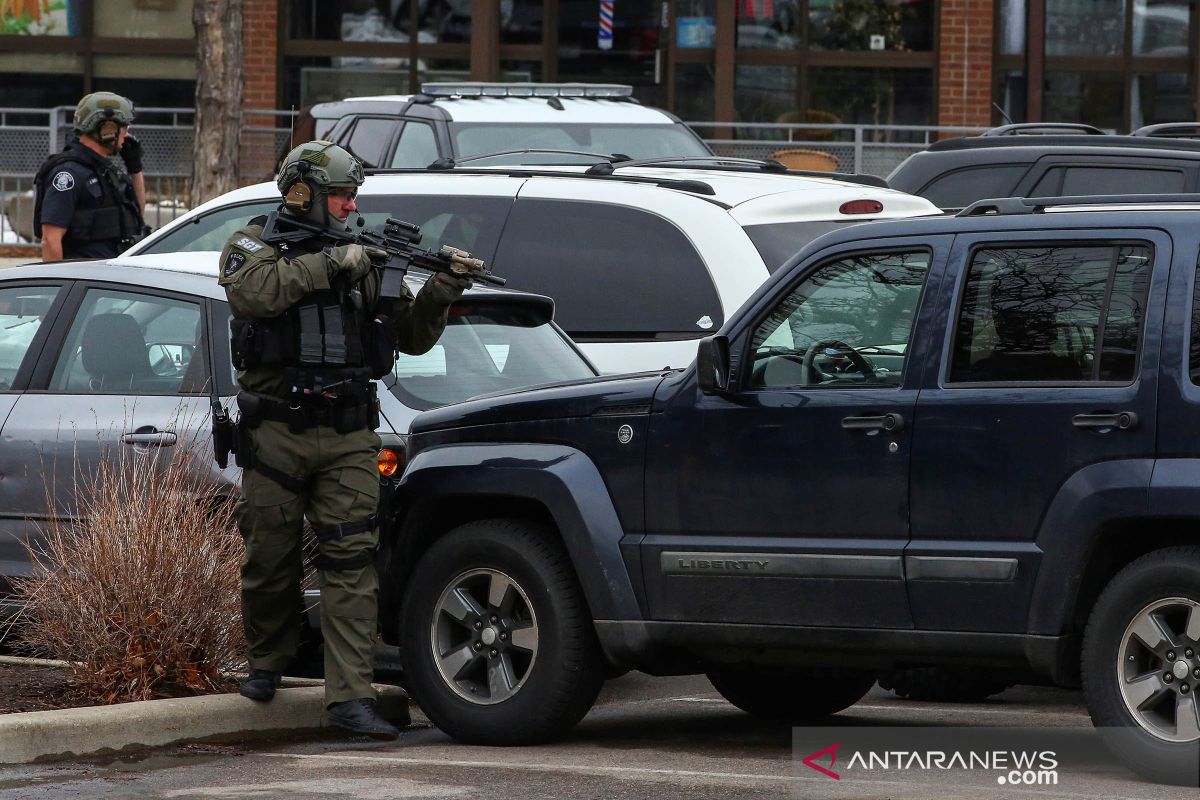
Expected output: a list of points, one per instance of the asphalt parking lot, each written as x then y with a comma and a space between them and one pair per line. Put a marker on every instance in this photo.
659, 738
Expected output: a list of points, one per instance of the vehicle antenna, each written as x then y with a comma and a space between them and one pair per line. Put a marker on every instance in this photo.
1007, 118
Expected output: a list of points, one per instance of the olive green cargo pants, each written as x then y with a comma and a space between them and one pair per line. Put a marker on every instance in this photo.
342, 486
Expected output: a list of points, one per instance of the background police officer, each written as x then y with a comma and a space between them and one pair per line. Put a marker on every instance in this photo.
91, 196
310, 330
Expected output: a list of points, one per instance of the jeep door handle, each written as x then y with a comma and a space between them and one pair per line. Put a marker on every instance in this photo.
1121, 421
150, 438
884, 422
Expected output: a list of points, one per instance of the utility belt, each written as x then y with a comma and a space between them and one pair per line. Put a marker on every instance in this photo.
345, 413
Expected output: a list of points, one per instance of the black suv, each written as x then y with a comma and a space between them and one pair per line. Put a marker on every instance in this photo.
1057, 160
951, 441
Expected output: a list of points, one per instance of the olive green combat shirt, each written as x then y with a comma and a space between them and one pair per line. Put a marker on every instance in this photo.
262, 282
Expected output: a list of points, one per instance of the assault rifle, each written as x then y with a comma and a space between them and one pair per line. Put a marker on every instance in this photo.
401, 240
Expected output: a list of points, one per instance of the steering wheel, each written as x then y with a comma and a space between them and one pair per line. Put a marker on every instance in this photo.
809, 364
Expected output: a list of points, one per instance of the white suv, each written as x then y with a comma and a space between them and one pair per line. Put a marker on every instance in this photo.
449, 121
641, 259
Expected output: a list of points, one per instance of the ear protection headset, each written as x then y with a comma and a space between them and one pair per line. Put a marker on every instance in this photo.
299, 196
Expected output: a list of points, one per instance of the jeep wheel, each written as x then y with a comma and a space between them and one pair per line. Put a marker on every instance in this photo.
790, 695
1141, 665
943, 684
496, 637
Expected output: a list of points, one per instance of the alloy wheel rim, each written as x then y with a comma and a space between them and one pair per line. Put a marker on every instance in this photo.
484, 636
1158, 669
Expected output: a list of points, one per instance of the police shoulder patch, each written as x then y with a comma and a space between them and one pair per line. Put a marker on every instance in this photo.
233, 262
63, 181
249, 245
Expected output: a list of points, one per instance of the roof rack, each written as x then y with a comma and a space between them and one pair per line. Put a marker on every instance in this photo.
1174, 130
731, 164
607, 91
1034, 128
690, 186
1010, 206
450, 163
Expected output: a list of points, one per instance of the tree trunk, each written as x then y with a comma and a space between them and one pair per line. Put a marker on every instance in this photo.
218, 25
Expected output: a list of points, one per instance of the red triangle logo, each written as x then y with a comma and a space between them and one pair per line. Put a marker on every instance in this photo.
830, 751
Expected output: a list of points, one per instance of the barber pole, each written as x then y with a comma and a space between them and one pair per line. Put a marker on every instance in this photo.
605, 39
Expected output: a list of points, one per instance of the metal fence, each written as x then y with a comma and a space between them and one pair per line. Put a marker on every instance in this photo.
28, 135
871, 149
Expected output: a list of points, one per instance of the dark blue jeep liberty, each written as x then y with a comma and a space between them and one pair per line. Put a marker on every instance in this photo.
966, 441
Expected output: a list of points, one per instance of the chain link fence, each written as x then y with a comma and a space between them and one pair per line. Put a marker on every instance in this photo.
28, 135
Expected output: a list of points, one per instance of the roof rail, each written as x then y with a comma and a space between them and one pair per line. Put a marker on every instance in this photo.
1033, 128
516, 171
1176, 130
730, 164
450, 163
1009, 206
606, 91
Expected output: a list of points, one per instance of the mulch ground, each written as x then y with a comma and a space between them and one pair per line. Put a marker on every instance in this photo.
26, 688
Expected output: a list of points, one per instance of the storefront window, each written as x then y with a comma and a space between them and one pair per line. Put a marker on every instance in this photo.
631, 57
695, 24
1085, 28
1011, 27
769, 24
1094, 98
870, 25
766, 94
348, 20
143, 19
521, 22
1161, 28
694, 92
1013, 95
1160, 97
872, 96
43, 80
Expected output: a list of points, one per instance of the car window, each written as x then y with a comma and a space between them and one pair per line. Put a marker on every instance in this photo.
417, 146
211, 231
962, 187
1091, 180
370, 139
485, 350
779, 241
1052, 314
613, 271
637, 141
128, 343
22, 310
847, 324
467, 222
1195, 343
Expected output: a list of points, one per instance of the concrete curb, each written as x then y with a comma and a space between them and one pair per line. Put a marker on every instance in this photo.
65, 733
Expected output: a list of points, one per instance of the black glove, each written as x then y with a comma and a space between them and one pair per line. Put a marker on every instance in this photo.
131, 153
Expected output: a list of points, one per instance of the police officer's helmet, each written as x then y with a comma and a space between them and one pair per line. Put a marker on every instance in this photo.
308, 173
99, 107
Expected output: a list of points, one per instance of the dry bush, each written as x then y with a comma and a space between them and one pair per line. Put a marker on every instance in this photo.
140, 590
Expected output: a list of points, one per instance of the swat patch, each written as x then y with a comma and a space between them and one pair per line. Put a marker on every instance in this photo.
233, 263
248, 244
63, 181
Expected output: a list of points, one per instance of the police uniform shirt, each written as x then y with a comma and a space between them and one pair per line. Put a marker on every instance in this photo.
70, 187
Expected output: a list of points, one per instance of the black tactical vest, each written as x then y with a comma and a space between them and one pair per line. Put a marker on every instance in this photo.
116, 218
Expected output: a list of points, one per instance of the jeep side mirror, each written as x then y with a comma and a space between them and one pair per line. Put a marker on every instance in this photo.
712, 364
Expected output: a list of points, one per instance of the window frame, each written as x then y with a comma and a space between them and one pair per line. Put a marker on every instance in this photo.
960, 290
740, 376
153, 247
48, 358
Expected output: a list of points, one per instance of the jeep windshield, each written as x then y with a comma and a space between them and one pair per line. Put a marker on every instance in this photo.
636, 141
489, 345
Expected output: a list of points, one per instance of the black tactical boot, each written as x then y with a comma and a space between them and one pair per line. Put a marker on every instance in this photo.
360, 716
260, 684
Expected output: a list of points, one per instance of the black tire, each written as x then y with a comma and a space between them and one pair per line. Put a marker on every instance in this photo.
1155, 593
558, 679
790, 695
943, 684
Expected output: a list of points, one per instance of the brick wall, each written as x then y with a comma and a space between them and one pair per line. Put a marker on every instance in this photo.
260, 47
965, 63
260, 59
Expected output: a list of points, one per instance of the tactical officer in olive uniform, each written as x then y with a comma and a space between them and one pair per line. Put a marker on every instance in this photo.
310, 330
91, 196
